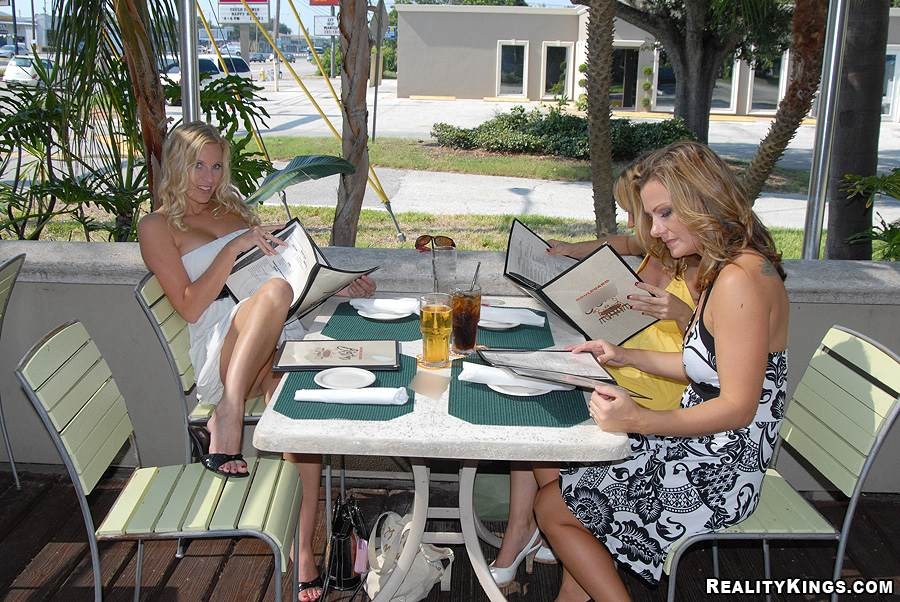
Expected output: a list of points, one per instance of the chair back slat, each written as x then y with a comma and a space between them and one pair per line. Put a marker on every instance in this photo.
840, 405
170, 328
69, 384
8, 273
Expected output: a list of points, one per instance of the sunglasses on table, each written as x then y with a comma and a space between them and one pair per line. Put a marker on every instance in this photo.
426, 242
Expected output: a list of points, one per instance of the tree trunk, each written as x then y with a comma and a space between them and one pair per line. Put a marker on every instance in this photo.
601, 14
807, 41
354, 74
133, 18
857, 125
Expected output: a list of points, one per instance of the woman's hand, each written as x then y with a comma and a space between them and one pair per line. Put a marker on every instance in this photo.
605, 352
661, 305
559, 247
361, 287
613, 410
260, 237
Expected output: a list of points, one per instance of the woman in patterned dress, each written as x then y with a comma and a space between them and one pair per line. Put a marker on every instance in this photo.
699, 467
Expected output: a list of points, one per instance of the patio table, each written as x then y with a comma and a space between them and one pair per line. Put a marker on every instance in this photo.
430, 431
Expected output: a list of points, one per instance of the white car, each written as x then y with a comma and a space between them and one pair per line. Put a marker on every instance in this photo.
21, 70
209, 64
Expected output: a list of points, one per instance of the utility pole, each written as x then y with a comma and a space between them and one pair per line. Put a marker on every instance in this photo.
15, 30
276, 60
33, 26
331, 65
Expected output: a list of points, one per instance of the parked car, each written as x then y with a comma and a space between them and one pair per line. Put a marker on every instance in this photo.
258, 57
288, 56
22, 70
209, 65
9, 50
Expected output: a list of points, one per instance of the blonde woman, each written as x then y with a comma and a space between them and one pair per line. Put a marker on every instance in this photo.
190, 243
698, 467
671, 298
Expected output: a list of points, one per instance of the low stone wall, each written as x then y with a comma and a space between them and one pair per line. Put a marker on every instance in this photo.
94, 283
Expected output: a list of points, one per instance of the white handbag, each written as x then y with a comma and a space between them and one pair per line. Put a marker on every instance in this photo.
428, 566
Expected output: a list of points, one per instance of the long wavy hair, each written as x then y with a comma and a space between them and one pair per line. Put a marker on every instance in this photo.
180, 152
627, 192
708, 199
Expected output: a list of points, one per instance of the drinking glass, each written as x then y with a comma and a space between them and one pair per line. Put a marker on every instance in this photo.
435, 323
443, 265
466, 305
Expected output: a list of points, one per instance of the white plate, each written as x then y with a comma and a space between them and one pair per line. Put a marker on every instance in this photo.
383, 316
491, 325
344, 378
519, 391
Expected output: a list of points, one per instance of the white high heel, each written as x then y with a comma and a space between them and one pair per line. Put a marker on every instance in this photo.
505, 575
545, 555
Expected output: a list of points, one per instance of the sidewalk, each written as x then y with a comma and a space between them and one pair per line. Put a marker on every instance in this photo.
453, 193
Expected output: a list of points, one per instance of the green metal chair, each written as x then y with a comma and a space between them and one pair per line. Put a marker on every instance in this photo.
838, 418
9, 272
71, 388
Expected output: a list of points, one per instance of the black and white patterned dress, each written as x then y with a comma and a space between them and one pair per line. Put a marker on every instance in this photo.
674, 486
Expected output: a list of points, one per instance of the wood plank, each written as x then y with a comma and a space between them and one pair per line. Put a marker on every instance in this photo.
172, 326
15, 504
154, 500
866, 356
175, 510
53, 353
828, 466
78, 393
196, 574
828, 438
859, 436
106, 454
152, 290
204, 503
118, 517
246, 574
231, 502
72, 369
95, 435
853, 383
81, 428
256, 508
159, 563
284, 507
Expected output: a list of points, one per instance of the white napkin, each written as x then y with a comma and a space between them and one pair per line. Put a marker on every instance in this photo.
511, 315
385, 396
404, 305
488, 375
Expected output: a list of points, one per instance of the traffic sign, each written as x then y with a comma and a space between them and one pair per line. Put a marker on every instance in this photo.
232, 11
324, 2
326, 25
391, 33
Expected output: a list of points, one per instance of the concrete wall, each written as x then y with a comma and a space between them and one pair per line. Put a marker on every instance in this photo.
452, 50
93, 282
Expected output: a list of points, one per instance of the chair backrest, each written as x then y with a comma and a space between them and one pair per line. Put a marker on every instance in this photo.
9, 271
843, 407
73, 392
171, 330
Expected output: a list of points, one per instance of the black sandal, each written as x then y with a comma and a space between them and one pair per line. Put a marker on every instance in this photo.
214, 462
315, 583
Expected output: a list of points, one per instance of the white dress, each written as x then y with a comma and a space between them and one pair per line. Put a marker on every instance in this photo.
208, 333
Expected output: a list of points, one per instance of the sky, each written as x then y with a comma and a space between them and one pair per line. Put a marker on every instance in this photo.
23, 9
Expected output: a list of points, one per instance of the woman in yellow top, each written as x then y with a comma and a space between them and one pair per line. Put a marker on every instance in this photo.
672, 298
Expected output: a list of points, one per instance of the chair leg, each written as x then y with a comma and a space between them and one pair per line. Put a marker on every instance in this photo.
715, 555
767, 565
138, 562
95, 567
295, 570
328, 516
673, 579
9, 451
838, 564
180, 548
278, 592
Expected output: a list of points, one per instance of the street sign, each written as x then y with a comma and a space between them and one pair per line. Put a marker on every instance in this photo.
4, 2
325, 25
232, 11
324, 2
391, 33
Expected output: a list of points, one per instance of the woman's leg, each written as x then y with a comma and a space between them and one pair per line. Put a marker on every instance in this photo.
521, 525
245, 352
585, 559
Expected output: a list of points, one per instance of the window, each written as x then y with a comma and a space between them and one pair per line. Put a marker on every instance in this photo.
724, 90
556, 70
512, 68
665, 82
889, 90
623, 87
766, 89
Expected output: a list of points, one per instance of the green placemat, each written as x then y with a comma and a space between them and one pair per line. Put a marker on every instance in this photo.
298, 410
477, 404
346, 324
520, 337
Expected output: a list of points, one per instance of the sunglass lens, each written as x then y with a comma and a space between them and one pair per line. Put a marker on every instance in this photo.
444, 241
423, 241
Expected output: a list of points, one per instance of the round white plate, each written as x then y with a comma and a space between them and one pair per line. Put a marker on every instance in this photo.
491, 325
344, 378
383, 316
519, 391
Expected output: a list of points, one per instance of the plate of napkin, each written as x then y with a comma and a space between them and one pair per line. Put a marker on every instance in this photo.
385, 309
504, 318
504, 381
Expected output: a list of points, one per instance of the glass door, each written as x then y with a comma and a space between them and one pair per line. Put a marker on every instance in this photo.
512, 68
556, 71
889, 110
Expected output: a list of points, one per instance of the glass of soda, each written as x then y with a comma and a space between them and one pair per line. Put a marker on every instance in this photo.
466, 304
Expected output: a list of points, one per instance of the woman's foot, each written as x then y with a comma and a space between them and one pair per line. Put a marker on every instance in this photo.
225, 430
514, 540
309, 576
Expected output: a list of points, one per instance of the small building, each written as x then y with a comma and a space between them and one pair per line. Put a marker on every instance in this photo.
531, 54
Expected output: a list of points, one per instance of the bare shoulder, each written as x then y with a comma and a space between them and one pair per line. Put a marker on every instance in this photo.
153, 224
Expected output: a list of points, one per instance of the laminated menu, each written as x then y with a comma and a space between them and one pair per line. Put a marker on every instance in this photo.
590, 294
300, 262
318, 355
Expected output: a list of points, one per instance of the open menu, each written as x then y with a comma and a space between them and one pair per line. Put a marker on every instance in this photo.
591, 294
300, 262
318, 355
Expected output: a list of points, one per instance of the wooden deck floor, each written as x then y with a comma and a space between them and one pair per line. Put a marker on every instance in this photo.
44, 554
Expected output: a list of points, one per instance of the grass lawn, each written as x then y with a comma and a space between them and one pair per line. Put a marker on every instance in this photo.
409, 153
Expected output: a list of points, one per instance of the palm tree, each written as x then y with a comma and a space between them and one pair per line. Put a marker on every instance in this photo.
807, 41
601, 15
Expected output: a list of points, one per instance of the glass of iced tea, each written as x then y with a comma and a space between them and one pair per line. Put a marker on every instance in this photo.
435, 322
466, 305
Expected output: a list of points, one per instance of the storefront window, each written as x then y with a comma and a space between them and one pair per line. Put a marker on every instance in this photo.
766, 85
665, 83
722, 91
888, 93
556, 70
512, 70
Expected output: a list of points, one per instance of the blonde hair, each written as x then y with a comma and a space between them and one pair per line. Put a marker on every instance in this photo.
709, 201
627, 192
179, 154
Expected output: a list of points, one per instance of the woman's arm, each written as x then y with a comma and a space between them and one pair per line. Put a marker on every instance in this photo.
662, 363
624, 244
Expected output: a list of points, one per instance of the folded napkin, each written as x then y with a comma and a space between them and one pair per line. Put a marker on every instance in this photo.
405, 305
488, 375
384, 396
511, 315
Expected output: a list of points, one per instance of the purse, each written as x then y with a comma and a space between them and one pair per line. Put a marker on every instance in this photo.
430, 565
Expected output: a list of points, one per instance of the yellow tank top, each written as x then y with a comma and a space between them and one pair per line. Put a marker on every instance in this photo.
664, 335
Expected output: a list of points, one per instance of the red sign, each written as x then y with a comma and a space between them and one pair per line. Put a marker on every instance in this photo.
239, 1
324, 2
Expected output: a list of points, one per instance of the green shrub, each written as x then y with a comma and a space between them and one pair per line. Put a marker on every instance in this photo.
557, 133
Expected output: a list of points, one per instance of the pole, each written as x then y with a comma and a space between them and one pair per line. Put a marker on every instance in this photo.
275, 27
33, 27
379, 39
818, 177
15, 30
190, 69
331, 66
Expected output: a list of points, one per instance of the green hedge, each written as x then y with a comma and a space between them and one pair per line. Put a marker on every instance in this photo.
558, 133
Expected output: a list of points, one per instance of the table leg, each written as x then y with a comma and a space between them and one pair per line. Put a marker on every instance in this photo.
421, 477
467, 521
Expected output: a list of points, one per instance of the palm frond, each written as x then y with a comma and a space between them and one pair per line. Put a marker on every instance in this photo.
300, 169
